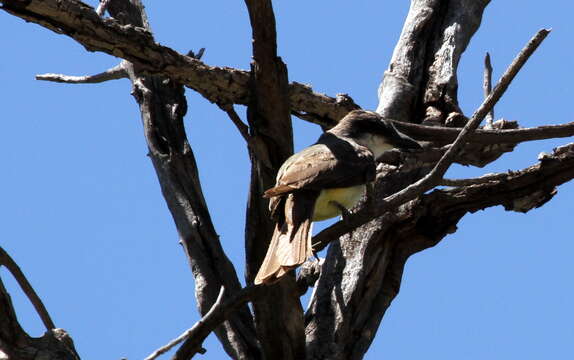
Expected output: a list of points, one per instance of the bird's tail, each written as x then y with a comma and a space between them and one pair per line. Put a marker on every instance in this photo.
290, 245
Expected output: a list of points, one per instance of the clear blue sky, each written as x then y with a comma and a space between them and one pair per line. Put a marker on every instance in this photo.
82, 213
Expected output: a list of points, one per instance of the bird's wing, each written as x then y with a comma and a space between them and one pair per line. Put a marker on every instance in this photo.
325, 165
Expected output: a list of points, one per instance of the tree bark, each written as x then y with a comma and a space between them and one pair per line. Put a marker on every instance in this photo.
278, 313
362, 272
163, 107
15, 343
420, 83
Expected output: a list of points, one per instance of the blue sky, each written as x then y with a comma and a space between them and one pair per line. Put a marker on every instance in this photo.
83, 215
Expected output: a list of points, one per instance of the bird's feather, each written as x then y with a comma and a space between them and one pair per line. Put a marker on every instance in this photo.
290, 244
331, 163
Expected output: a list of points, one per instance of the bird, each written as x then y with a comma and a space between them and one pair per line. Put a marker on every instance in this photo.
323, 181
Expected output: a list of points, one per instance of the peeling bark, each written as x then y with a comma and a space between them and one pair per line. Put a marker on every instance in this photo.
421, 84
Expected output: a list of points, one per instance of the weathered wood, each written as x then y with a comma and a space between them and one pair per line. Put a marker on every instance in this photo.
278, 313
221, 85
363, 271
163, 106
421, 83
338, 327
15, 343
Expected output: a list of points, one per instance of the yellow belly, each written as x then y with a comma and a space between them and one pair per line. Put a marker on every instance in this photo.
348, 197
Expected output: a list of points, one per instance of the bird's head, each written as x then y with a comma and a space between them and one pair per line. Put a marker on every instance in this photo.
372, 131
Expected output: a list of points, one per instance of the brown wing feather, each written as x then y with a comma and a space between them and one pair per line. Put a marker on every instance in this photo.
290, 244
314, 167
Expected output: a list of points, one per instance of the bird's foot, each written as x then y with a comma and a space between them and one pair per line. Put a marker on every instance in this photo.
345, 213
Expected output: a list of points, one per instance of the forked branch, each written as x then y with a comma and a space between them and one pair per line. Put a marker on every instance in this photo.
433, 178
218, 313
7, 261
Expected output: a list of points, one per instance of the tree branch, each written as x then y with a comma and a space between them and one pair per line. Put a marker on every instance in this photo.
421, 80
115, 73
15, 343
195, 331
278, 314
220, 85
220, 311
519, 191
442, 135
423, 223
487, 87
236, 120
6, 260
401, 84
163, 106
433, 178
476, 181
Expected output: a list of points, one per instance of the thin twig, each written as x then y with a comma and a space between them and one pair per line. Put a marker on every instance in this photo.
253, 144
194, 341
6, 260
115, 73
487, 87
481, 136
433, 178
218, 313
240, 125
190, 332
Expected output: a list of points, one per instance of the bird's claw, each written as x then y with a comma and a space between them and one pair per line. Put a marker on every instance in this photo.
345, 213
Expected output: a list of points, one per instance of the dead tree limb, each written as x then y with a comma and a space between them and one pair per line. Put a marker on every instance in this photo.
434, 177
278, 314
163, 106
7, 261
221, 85
115, 73
15, 343
487, 88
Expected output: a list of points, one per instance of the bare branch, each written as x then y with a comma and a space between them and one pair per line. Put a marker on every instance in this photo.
400, 87
240, 125
433, 178
217, 84
421, 77
194, 330
220, 311
482, 136
278, 314
255, 144
115, 73
487, 87
519, 191
163, 106
6, 260
475, 181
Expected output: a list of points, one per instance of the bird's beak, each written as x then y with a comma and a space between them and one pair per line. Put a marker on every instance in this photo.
402, 141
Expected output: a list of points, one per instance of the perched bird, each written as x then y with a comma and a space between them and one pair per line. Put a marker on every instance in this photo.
322, 181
